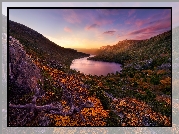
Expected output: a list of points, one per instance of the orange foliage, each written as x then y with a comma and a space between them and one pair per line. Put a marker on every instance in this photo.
166, 81
93, 116
149, 72
161, 72
164, 98
135, 110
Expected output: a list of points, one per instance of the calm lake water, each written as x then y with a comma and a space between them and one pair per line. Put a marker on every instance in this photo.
94, 67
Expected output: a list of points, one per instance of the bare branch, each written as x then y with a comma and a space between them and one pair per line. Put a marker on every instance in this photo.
74, 101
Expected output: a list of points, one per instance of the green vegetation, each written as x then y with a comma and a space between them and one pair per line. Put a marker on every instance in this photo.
144, 82
146, 73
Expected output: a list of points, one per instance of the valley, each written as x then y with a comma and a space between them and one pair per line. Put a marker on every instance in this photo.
140, 95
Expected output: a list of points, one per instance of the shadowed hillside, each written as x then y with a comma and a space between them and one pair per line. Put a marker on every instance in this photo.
39, 46
43, 91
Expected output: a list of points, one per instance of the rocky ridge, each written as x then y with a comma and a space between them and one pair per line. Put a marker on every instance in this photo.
24, 78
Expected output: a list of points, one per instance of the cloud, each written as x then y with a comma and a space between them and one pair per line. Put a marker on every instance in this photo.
150, 31
108, 12
66, 29
141, 31
154, 20
132, 11
131, 20
109, 32
71, 16
160, 21
93, 26
149, 28
140, 23
104, 21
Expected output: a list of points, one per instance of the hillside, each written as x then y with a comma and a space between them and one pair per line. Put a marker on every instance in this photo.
43, 91
39, 46
146, 74
157, 48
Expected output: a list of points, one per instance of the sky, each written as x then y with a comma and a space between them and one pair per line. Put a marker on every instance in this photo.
93, 28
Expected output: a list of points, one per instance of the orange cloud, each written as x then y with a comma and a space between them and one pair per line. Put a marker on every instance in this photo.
66, 29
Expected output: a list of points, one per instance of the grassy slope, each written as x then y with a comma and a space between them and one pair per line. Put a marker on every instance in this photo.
143, 76
135, 51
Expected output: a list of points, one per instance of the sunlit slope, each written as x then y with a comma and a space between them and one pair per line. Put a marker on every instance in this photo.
157, 49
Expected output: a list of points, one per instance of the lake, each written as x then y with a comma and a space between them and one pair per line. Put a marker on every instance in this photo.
95, 67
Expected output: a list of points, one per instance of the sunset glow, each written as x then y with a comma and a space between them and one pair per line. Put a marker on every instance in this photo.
93, 28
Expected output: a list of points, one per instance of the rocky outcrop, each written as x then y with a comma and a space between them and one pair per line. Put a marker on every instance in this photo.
23, 73
23, 79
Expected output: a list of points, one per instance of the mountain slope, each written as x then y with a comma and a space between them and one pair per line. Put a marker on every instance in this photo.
36, 44
59, 91
157, 48
138, 96
145, 77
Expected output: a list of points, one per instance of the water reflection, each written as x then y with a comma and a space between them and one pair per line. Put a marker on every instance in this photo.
94, 67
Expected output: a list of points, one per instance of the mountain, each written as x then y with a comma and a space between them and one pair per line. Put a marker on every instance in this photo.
40, 81
92, 51
146, 76
157, 49
43, 91
39, 46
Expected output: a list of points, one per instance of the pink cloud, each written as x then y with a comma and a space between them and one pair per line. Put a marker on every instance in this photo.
154, 19
93, 26
103, 21
131, 12
108, 12
150, 31
130, 20
66, 29
109, 32
140, 23
103, 17
71, 16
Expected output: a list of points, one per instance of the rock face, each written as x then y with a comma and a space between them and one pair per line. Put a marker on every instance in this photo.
23, 73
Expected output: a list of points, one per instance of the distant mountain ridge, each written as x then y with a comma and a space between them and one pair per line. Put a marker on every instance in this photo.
92, 51
128, 51
120, 46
